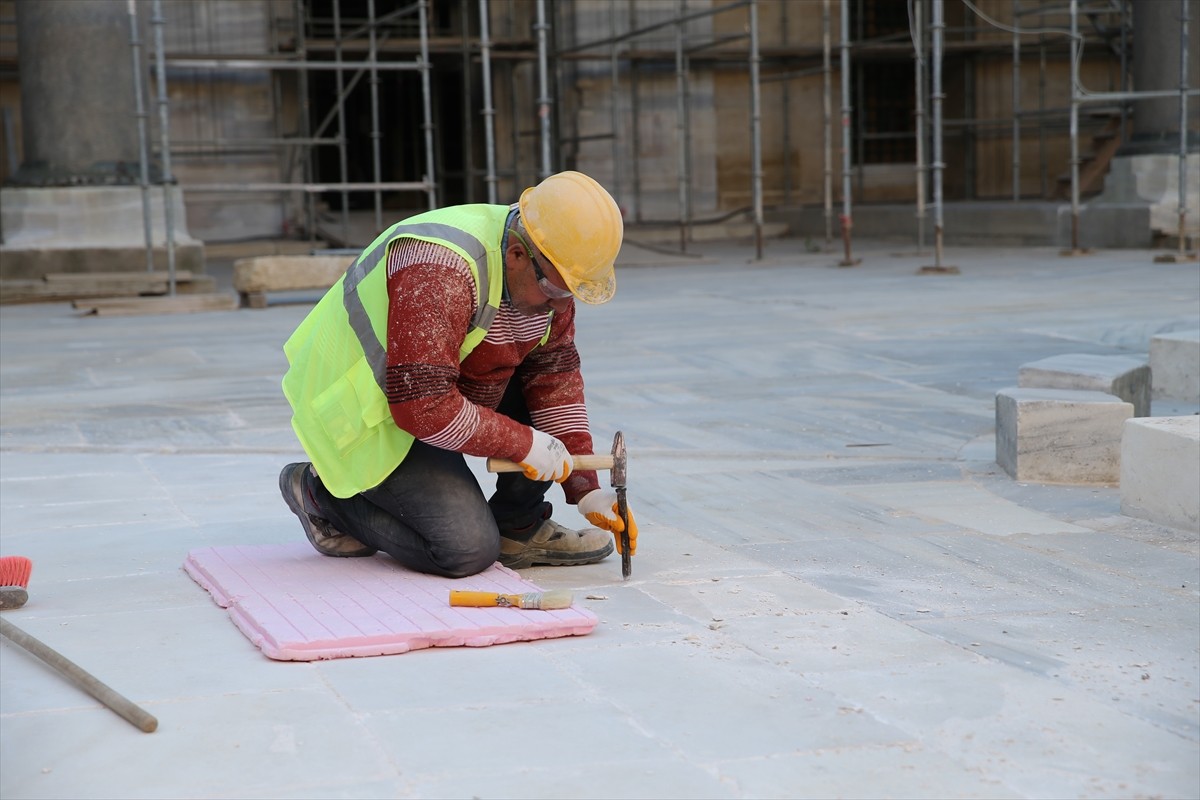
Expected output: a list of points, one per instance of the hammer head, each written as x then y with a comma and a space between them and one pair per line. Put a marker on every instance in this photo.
618, 456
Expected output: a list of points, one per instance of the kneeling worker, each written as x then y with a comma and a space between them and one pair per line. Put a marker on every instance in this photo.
452, 334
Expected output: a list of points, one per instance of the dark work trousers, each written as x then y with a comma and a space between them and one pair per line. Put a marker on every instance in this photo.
431, 515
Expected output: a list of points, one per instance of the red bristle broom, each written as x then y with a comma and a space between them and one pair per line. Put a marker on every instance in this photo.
14, 580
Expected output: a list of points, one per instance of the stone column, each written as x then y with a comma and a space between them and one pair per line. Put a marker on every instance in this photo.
1155, 67
75, 204
77, 101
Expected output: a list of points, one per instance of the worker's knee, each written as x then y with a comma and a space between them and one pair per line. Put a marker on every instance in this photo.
463, 563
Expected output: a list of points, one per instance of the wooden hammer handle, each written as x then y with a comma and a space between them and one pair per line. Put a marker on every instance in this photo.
581, 462
135, 715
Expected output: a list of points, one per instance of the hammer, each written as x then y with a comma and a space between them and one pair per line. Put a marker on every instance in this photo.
616, 464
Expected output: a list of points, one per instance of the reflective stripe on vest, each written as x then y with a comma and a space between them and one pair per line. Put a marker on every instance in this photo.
360, 322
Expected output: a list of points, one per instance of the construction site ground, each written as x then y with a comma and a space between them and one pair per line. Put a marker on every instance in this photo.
837, 592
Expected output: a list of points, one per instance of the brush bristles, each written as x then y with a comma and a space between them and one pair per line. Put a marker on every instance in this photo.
546, 601
14, 571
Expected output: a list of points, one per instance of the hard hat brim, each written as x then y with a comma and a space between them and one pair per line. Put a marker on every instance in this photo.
596, 292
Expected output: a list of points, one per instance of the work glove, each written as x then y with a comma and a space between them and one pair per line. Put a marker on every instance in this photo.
547, 459
600, 508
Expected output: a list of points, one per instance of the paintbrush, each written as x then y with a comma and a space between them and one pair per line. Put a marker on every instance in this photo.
546, 601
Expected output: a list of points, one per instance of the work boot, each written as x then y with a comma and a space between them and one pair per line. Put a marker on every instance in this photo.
550, 544
327, 539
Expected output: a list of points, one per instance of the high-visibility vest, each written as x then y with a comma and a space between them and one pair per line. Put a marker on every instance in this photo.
338, 360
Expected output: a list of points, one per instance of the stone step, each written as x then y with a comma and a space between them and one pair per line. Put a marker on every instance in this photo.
1175, 364
1060, 435
1123, 376
1160, 470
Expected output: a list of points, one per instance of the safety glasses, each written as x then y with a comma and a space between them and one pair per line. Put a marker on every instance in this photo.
549, 289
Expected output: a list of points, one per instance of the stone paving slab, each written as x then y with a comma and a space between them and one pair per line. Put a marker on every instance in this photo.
837, 591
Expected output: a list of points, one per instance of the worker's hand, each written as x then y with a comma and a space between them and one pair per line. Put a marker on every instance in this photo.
600, 508
547, 459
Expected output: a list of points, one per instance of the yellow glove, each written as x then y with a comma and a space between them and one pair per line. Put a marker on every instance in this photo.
600, 508
547, 459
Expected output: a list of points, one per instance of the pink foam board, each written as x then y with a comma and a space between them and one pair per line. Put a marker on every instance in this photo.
298, 605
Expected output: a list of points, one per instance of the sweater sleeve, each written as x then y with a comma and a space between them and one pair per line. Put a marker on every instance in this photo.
553, 387
429, 314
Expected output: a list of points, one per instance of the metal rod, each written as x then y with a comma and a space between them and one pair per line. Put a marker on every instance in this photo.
343, 162
407, 186
557, 67
282, 154
376, 134
847, 219
160, 72
1108, 97
1074, 126
467, 139
827, 110
310, 210
489, 111
1016, 101
681, 126
1043, 162
303, 66
614, 85
756, 133
919, 68
135, 44
937, 26
634, 114
786, 112
1183, 124
543, 99
427, 106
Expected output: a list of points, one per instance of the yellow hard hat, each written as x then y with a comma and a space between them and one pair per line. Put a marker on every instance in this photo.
576, 224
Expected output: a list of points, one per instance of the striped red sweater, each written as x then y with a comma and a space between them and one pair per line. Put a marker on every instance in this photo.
452, 405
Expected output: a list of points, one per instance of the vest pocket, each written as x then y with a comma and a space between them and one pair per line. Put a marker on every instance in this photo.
350, 409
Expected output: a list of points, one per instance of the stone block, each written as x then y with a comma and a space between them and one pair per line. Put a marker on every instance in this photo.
88, 229
1160, 470
1175, 363
254, 277
1123, 376
1060, 435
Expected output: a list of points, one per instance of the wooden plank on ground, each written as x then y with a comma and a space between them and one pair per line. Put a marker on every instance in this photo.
135, 306
34, 291
181, 276
83, 285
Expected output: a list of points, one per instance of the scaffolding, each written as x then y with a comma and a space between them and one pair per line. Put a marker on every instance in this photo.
535, 54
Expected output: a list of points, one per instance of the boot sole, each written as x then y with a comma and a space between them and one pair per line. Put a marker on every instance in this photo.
289, 496
549, 558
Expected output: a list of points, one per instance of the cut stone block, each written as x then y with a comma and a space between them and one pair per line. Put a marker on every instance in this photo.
254, 277
1175, 362
1124, 376
1160, 471
1060, 435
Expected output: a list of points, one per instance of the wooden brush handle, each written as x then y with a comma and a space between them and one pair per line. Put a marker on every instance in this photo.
135, 715
584, 462
460, 597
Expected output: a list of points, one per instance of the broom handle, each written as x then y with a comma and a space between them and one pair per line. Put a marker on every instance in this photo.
137, 716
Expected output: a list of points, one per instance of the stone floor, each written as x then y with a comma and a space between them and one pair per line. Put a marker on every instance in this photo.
837, 594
